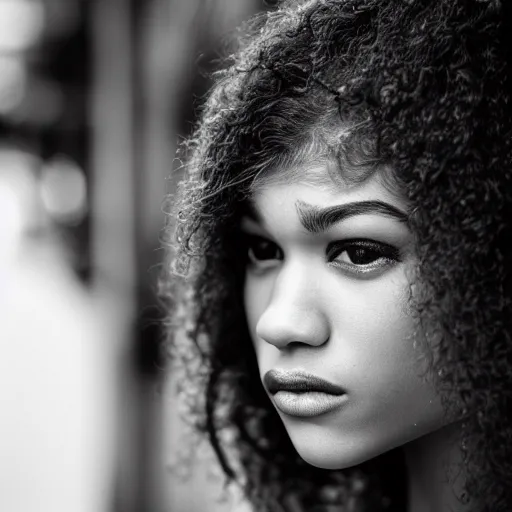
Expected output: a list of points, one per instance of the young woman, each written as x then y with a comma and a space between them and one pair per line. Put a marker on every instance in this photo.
342, 256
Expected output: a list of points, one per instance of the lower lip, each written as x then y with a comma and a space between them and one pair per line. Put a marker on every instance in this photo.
309, 404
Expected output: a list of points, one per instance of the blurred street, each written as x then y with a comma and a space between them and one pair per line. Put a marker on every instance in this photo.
94, 99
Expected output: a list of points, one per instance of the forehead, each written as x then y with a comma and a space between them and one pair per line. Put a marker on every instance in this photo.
319, 183
321, 173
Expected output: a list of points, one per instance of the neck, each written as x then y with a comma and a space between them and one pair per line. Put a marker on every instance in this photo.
436, 479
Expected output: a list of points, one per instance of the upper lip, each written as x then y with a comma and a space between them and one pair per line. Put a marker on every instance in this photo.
298, 381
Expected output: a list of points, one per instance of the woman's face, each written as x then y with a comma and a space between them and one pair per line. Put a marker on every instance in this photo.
326, 291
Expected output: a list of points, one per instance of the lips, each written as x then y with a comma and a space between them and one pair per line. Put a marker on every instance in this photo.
301, 394
298, 381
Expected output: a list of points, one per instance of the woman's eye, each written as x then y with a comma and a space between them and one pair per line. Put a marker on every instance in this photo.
261, 251
359, 255
362, 255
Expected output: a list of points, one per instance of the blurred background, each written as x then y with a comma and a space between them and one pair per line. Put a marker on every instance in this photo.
94, 98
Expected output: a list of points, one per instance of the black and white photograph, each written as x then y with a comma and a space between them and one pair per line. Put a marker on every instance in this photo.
256, 255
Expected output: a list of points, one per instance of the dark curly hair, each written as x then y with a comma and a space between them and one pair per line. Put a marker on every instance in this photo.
419, 87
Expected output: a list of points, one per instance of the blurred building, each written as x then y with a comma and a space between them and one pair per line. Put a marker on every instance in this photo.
94, 97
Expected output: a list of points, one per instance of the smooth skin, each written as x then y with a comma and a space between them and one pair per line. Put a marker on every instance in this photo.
327, 285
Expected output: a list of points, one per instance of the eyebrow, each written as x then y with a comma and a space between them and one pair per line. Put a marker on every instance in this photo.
317, 220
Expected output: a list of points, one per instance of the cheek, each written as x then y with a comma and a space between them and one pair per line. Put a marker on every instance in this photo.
370, 318
257, 294
381, 359
377, 341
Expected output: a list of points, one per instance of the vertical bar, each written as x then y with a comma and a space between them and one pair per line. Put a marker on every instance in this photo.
113, 212
113, 215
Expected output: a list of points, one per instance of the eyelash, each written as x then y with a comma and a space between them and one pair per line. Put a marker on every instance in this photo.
251, 243
386, 254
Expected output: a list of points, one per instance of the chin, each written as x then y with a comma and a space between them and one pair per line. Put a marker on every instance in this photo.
327, 449
326, 453
338, 459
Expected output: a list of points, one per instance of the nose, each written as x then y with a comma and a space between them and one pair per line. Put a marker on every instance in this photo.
294, 313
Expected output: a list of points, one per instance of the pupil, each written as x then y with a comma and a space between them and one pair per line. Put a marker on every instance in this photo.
361, 256
263, 250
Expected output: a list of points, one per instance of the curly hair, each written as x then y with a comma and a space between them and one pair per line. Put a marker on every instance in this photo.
423, 88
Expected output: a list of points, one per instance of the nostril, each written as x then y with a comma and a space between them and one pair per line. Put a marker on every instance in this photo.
294, 344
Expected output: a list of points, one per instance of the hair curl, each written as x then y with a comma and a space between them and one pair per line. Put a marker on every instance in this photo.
424, 87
